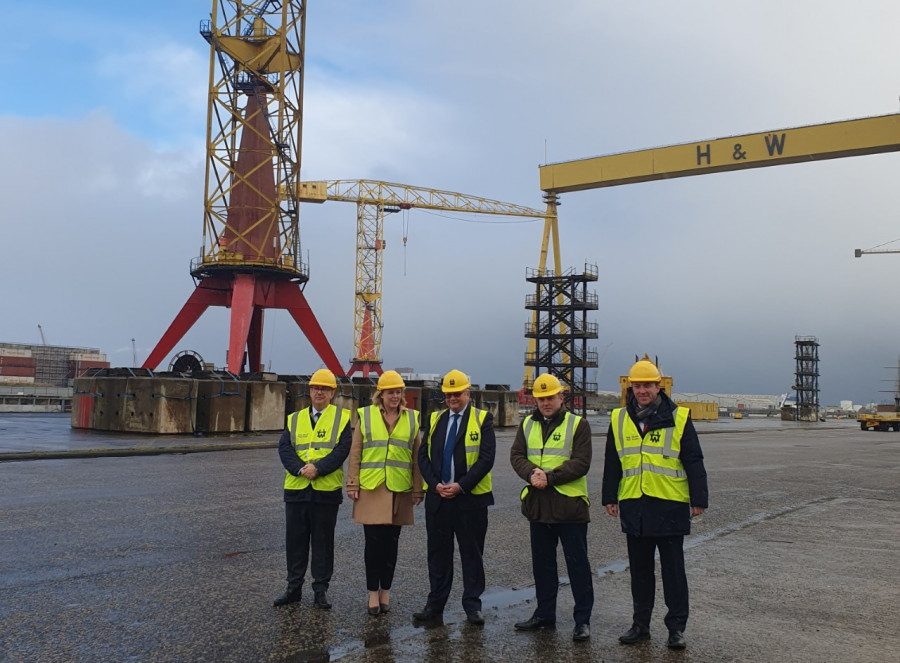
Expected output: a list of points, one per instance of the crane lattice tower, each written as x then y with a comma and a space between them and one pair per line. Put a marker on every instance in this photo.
250, 258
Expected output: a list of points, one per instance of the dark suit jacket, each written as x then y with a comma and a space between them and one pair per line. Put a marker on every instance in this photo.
467, 479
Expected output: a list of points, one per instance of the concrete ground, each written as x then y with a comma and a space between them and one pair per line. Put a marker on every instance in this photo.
177, 557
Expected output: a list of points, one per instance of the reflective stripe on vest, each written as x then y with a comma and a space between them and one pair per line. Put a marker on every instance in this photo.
387, 457
650, 464
554, 452
314, 443
472, 442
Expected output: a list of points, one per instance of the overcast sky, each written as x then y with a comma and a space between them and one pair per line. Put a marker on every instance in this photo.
102, 129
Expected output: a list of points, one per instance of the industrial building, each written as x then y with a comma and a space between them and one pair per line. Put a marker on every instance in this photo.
38, 378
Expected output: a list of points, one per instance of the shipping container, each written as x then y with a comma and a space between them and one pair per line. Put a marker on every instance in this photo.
18, 371
702, 410
17, 361
10, 352
87, 356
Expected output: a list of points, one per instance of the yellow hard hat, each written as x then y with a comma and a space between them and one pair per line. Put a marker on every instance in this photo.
455, 381
546, 385
323, 378
644, 370
390, 380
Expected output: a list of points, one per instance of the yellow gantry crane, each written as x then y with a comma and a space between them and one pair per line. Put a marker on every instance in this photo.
833, 140
373, 200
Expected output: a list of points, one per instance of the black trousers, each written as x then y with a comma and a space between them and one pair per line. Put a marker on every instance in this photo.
309, 525
469, 526
643, 579
544, 540
381, 555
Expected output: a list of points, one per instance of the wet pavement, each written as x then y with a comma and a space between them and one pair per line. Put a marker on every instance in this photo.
177, 557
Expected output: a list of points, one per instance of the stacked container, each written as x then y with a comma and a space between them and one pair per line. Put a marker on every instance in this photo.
81, 362
16, 366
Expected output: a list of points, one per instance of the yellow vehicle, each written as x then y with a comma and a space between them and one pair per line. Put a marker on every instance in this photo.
879, 421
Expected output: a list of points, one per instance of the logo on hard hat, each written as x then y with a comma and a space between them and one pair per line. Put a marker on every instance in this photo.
544, 386
452, 382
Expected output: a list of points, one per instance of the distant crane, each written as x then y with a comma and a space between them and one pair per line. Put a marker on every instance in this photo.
43, 340
373, 200
859, 253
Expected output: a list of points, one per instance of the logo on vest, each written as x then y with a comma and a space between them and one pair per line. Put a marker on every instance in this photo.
655, 436
320, 434
557, 437
473, 436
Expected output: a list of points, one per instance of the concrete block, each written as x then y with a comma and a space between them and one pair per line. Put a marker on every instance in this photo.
265, 406
221, 405
107, 403
297, 397
161, 406
509, 410
84, 401
489, 401
345, 397
431, 400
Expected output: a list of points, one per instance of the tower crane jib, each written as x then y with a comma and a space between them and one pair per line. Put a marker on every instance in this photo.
373, 199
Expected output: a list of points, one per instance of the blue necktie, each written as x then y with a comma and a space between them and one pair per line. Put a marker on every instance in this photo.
448, 450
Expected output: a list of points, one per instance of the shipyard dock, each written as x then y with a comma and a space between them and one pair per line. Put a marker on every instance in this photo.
177, 557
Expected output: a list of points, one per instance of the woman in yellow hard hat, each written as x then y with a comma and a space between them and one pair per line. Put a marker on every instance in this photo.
384, 481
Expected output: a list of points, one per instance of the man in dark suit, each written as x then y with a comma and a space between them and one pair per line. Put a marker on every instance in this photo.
456, 462
312, 449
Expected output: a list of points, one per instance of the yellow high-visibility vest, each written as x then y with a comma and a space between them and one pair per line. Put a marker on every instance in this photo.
554, 452
312, 444
387, 457
650, 465
473, 445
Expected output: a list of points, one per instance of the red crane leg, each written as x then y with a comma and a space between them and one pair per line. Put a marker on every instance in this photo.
242, 309
290, 297
202, 298
365, 367
254, 341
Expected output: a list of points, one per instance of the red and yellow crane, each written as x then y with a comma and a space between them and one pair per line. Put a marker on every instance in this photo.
250, 256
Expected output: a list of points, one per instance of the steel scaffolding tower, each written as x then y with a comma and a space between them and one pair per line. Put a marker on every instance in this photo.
806, 382
560, 330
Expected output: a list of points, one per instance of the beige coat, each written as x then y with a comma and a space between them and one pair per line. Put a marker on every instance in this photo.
381, 506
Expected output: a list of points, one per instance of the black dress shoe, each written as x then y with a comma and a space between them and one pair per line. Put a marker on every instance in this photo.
676, 640
288, 597
428, 615
321, 600
475, 617
376, 610
634, 635
535, 624
582, 632
384, 607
